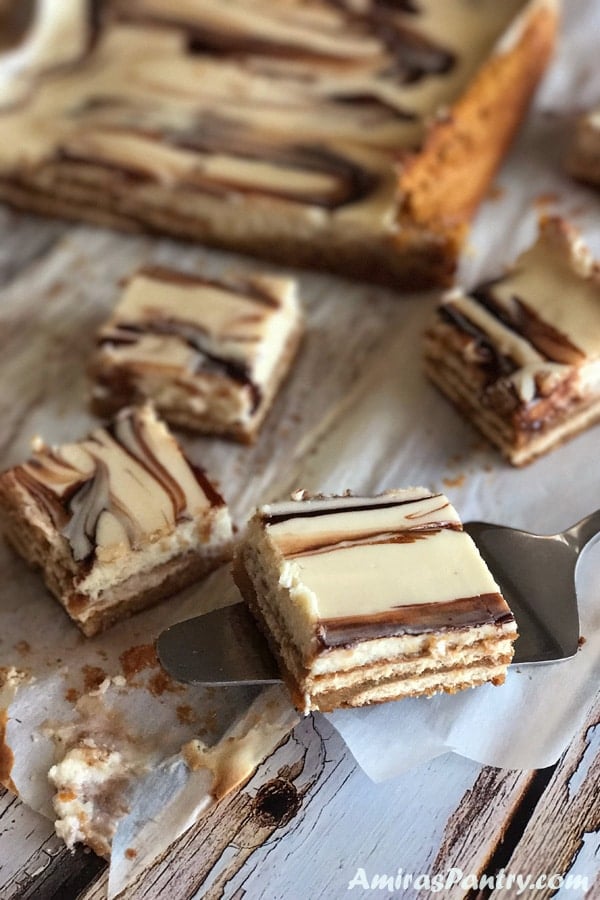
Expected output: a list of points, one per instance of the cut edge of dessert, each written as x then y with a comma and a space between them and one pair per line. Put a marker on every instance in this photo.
519, 356
370, 599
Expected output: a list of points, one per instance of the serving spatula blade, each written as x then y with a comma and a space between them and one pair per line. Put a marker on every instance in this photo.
535, 572
223, 646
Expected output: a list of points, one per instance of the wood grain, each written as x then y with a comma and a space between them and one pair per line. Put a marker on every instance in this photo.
562, 836
308, 797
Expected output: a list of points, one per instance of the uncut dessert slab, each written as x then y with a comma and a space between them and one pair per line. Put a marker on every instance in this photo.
358, 139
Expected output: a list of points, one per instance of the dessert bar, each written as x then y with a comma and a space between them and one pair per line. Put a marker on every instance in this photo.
210, 355
583, 160
368, 599
117, 521
520, 355
353, 136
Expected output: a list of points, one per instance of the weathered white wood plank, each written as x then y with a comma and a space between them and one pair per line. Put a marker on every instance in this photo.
309, 818
34, 862
562, 838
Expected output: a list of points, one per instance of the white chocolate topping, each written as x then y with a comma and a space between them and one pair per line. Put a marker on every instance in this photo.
369, 561
363, 580
119, 489
541, 321
173, 322
557, 279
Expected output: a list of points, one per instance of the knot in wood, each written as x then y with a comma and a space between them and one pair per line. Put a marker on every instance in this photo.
276, 803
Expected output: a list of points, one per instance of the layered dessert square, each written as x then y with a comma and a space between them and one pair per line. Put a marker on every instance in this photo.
210, 355
583, 160
368, 599
117, 521
353, 136
520, 355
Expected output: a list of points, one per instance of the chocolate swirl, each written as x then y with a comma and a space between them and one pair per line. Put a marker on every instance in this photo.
122, 486
466, 612
305, 511
524, 321
491, 361
128, 333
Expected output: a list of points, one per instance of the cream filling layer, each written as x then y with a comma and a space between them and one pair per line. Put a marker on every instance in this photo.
82, 775
189, 537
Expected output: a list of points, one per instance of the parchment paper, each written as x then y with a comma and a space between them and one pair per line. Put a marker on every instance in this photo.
394, 430
529, 721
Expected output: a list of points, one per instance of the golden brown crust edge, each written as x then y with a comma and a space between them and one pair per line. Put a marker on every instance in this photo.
444, 183
417, 259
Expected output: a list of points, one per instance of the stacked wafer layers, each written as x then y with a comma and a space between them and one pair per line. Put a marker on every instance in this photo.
353, 136
116, 521
365, 600
520, 356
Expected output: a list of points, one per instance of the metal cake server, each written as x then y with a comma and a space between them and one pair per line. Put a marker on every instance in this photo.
535, 572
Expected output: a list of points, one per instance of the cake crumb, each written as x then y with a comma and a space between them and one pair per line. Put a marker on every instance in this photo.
458, 481
134, 660
208, 722
72, 695
161, 683
130, 853
93, 676
185, 714
546, 199
582, 640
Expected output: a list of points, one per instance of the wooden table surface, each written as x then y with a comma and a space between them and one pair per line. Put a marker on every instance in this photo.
309, 819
